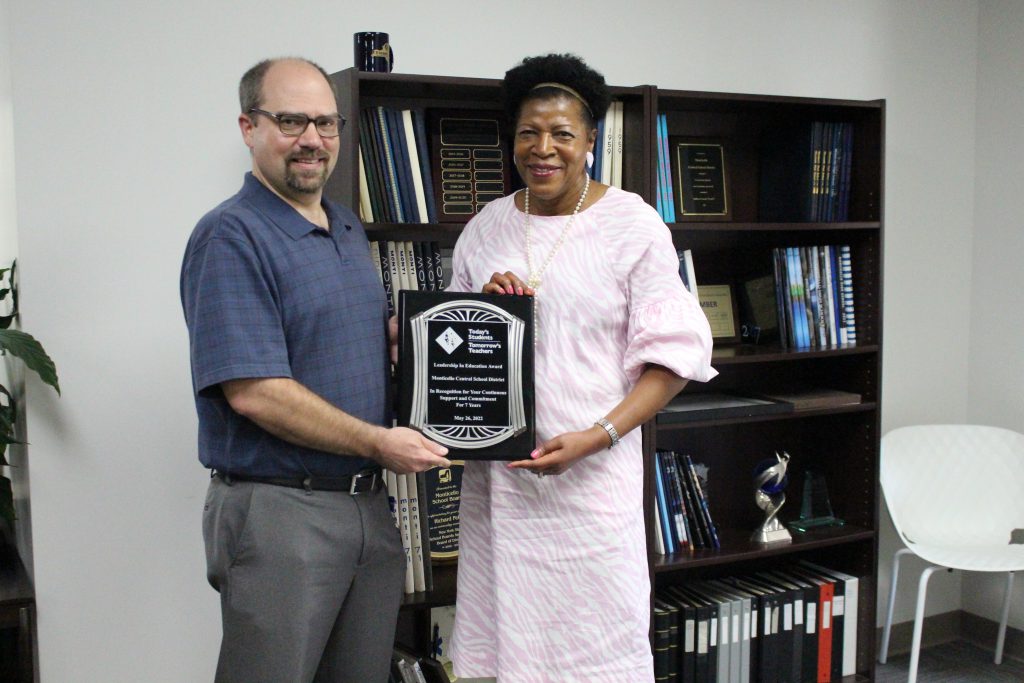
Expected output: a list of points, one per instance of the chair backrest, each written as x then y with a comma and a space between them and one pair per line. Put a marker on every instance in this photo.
954, 484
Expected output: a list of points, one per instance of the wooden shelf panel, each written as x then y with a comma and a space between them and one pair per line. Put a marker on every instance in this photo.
749, 353
445, 579
737, 547
697, 226
866, 407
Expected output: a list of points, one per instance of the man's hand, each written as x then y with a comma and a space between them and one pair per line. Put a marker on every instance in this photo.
403, 450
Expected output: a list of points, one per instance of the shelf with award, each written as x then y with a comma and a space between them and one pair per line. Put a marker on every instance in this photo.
763, 177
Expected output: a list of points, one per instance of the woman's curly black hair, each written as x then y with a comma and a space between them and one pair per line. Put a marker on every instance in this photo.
566, 69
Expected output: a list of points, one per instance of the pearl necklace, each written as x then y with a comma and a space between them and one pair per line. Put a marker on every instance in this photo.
535, 273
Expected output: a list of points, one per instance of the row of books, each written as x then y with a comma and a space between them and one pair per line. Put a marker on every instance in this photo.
408, 501
607, 166
395, 184
806, 171
797, 624
664, 196
814, 296
683, 517
416, 265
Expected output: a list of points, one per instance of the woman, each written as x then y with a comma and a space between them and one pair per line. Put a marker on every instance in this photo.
553, 582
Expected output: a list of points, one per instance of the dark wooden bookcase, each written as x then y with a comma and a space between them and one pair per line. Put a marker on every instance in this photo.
841, 442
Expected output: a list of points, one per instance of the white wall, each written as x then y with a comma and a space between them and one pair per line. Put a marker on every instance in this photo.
125, 136
995, 393
11, 370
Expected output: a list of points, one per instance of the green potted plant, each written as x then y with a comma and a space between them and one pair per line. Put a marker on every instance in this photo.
24, 346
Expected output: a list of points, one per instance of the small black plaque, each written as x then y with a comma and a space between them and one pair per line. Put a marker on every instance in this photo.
466, 372
443, 490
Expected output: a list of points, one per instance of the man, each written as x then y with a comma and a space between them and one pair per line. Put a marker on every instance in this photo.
287, 325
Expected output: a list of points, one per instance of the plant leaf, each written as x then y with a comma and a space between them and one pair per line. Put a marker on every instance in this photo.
7, 500
24, 346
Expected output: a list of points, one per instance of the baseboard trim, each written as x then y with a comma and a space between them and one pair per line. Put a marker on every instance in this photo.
955, 625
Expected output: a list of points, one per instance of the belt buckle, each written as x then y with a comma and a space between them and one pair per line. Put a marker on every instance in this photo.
355, 489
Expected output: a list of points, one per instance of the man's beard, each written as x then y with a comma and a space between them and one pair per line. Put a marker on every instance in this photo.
302, 182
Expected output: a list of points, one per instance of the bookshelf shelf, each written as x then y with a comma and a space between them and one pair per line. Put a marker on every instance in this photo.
736, 547
841, 443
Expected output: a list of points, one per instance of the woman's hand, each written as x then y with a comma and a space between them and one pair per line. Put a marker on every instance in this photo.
560, 453
507, 283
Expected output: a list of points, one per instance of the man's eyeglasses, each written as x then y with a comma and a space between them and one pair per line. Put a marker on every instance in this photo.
294, 125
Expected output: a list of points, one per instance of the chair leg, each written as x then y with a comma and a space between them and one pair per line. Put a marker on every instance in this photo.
1006, 616
915, 646
887, 629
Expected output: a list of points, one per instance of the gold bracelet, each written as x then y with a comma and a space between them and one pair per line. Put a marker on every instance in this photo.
613, 434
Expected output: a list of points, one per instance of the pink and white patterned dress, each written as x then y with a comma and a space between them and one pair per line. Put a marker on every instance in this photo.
553, 583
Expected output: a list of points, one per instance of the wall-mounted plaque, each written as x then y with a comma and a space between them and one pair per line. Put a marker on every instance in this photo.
699, 180
466, 372
468, 162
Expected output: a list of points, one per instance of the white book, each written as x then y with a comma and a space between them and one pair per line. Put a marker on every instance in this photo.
410, 259
659, 540
391, 482
396, 280
415, 531
846, 269
617, 150
365, 207
405, 527
691, 274
414, 162
375, 257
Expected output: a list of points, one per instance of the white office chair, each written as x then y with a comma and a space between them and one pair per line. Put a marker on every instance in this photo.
956, 496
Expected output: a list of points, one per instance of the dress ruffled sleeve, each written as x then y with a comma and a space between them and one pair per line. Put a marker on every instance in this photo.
666, 325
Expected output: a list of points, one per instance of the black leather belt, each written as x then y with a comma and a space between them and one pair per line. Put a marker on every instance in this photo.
366, 481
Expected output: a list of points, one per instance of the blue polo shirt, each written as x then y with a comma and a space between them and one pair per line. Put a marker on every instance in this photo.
268, 294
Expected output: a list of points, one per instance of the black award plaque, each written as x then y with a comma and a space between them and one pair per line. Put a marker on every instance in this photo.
465, 372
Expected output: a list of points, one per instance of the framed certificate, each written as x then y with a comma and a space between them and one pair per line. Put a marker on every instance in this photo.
719, 306
465, 373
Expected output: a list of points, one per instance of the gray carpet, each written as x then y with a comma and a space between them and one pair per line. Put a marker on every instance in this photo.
956, 662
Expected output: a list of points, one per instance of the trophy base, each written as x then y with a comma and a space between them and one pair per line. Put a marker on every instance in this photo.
803, 525
781, 535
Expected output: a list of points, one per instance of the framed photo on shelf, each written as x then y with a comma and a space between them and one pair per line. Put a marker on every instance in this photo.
700, 182
719, 305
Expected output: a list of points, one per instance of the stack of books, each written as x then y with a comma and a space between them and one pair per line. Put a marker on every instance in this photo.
607, 166
814, 296
798, 623
395, 183
664, 196
683, 517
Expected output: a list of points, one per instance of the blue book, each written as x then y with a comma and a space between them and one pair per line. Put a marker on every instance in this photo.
391, 174
403, 169
420, 125
669, 194
796, 293
595, 170
666, 529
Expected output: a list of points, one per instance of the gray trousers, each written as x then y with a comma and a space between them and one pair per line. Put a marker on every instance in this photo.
310, 583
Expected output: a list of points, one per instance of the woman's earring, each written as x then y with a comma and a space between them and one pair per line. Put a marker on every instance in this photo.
590, 159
